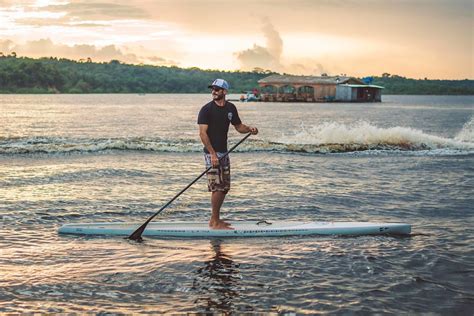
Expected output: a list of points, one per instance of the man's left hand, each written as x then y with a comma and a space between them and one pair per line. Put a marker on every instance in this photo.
253, 130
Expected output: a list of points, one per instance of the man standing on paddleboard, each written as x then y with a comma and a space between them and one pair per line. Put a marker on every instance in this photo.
214, 120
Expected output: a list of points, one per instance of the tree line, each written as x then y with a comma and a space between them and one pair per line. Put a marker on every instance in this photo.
58, 75
395, 84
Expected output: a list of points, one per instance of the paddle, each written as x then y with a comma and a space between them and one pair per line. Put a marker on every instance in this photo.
137, 235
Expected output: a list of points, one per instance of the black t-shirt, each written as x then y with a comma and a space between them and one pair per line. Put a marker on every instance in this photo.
218, 119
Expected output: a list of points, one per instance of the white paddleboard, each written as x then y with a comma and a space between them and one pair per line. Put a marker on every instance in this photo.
241, 229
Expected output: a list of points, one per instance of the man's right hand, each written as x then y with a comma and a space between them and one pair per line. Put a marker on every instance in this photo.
214, 160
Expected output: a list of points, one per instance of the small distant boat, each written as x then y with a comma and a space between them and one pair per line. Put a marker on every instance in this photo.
250, 96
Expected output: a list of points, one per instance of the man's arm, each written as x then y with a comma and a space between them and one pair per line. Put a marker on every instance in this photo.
207, 143
242, 128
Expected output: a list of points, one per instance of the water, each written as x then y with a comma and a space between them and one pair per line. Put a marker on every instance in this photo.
85, 158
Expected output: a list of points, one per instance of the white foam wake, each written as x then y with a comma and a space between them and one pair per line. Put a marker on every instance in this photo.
65, 145
467, 132
368, 136
324, 138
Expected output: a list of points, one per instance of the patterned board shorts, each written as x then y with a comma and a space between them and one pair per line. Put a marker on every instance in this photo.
218, 179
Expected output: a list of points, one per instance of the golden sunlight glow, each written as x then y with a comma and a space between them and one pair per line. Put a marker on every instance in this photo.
365, 38
44, 3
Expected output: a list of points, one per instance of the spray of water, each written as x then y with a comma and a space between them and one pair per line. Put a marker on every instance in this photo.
328, 137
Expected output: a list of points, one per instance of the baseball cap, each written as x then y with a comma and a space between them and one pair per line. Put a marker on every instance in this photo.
221, 83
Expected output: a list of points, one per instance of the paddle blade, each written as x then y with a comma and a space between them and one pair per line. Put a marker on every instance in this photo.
137, 234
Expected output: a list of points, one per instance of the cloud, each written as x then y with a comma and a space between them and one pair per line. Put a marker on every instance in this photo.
256, 57
270, 56
307, 67
48, 22
267, 57
98, 10
274, 41
6, 46
74, 13
47, 48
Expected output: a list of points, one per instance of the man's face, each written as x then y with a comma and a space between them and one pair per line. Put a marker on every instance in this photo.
218, 93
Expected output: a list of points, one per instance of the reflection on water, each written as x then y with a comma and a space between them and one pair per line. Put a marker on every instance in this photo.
217, 281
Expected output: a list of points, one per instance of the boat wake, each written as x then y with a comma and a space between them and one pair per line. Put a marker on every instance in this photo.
324, 138
89, 145
363, 136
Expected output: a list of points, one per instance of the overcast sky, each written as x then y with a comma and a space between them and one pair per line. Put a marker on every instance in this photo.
413, 38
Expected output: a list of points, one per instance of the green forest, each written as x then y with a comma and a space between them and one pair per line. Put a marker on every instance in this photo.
56, 75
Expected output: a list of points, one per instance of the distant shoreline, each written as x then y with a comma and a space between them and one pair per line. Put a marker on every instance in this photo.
22, 75
186, 93
201, 93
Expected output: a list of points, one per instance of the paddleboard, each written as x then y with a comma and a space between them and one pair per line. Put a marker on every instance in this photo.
241, 229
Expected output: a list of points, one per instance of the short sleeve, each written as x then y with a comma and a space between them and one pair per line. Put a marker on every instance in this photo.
235, 118
203, 117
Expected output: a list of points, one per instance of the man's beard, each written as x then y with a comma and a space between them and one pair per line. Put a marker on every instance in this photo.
218, 97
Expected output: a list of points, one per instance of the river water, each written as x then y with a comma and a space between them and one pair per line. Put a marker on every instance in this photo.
94, 158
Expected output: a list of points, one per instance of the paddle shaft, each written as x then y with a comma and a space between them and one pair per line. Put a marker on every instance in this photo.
137, 234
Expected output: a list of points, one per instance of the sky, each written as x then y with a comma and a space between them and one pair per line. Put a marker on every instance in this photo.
412, 38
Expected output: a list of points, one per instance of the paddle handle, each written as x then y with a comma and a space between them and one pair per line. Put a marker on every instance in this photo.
137, 234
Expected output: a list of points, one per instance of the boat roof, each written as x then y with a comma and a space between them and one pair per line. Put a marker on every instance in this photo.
362, 86
292, 79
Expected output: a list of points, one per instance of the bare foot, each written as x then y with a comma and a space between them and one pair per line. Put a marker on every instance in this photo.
225, 223
220, 225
